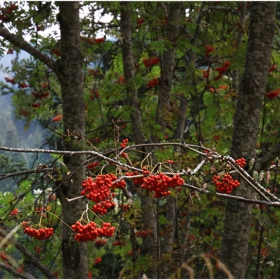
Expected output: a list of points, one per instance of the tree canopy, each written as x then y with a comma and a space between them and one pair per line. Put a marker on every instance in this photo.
161, 157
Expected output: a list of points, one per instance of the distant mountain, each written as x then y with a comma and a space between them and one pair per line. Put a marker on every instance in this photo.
13, 133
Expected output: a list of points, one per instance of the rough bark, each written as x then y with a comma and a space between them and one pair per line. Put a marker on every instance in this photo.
129, 73
75, 263
148, 214
167, 62
69, 73
239, 38
246, 122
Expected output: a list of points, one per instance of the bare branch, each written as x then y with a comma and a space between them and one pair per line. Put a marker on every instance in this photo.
15, 273
8, 175
22, 44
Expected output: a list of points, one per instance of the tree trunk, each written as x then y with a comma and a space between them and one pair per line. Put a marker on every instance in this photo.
148, 214
75, 262
167, 63
246, 122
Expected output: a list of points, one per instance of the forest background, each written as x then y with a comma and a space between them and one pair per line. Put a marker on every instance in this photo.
155, 145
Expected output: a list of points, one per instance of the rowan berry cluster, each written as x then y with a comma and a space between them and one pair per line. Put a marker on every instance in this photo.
116, 243
273, 94
101, 242
241, 162
208, 49
124, 155
143, 233
94, 41
103, 206
140, 21
40, 94
98, 190
138, 181
124, 143
10, 80
225, 184
221, 70
92, 165
160, 183
124, 207
152, 83
205, 73
272, 68
91, 231
149, 62
40, 234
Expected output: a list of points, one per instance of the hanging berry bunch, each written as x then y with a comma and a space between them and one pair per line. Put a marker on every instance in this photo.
98, 190
91, 231
152, 83
221, 70
208, 50
159, 184
40, 234
225, 184
149, 62
241, 162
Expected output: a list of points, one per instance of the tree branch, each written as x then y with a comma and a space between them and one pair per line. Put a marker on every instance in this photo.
15, 273
22, 44
269, 156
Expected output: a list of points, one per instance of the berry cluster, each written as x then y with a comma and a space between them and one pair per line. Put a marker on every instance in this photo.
103, 206
116, 243
94, 94
152, 83
38, 250
23, 85
143, 233
205, 73
160, 183
94, 41
221, 70
124, 207
56, 51
93, 72
6, 13
272, 68
140, 180
273, 94
120, 80
101, 242
36, 105
97, 260
149, 62
40, 94
57, 118
40, 234
241, 162
124, 155
90, 232
14, 212
98, 191
8, 80
225, 184
92, 165
139, 22
124, 143
208, 49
